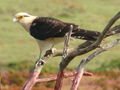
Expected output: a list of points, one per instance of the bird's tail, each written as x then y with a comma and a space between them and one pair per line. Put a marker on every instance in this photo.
85, 34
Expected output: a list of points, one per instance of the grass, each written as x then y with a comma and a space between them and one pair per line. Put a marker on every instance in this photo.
17, 46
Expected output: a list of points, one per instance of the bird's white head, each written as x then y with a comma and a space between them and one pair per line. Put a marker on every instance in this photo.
20, 17
24, 19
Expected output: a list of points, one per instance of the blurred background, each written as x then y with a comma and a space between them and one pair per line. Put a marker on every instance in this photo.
19, 51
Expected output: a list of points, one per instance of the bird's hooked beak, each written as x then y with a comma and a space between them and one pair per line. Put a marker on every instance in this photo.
15, 20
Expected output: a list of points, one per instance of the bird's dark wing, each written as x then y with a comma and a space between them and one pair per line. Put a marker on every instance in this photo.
44, 27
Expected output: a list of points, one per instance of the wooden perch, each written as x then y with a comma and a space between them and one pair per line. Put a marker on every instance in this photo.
70, 54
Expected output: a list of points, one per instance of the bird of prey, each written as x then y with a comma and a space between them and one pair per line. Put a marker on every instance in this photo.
50, 31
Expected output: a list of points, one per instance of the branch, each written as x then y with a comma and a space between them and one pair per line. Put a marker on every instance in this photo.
97, 52
113, 31
82, 64
35, 73
94, 45
80, 67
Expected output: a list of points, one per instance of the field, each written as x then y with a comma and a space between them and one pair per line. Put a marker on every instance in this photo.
19, 51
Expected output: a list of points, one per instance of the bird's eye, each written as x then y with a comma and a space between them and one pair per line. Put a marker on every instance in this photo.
26, 15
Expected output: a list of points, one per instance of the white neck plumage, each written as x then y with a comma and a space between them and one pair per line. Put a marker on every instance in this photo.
26, 22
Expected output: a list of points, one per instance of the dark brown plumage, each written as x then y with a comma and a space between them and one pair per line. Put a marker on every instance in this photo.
43, 28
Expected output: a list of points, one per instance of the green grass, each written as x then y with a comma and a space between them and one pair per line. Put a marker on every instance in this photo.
17, 46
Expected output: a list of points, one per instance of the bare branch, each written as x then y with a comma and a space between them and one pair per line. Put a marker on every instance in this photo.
66, 42
35, 73
92, 46
97, 52
88, 59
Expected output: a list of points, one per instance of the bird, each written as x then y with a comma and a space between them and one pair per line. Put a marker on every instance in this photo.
49, 31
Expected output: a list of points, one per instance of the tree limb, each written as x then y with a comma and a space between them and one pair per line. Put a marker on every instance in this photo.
94, 45
84, 61
97, 52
